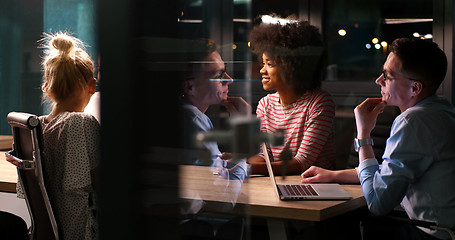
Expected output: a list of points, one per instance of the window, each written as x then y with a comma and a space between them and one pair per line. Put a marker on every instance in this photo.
75, 16
357, 34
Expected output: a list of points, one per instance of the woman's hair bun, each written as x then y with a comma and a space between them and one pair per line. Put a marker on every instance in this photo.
62, 43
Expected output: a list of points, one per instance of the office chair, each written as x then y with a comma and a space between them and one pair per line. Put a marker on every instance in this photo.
431, 226
27, 134
400, 218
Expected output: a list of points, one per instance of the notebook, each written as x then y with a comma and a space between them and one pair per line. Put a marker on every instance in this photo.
314, 191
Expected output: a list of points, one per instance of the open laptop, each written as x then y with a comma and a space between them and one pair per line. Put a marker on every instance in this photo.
314, 191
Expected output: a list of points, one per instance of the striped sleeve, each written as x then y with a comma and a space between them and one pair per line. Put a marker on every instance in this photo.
307, 126
316, 147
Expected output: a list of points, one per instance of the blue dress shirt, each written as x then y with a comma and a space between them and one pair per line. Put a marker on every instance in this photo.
195, 122
418, 168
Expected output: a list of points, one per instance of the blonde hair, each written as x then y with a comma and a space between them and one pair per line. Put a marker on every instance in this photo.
66, 66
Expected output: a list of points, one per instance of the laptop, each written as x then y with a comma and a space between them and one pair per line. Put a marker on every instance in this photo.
314, 191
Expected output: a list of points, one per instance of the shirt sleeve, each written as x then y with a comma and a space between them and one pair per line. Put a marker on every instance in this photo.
82, 155
317, 128
260, 110
405, 159
260, 114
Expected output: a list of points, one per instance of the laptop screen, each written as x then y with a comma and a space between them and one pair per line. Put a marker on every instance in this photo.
268, 157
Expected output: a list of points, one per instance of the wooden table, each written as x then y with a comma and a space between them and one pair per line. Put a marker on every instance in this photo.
8, 175
256, 192
259, 195
256, 197
8, 172
6, 142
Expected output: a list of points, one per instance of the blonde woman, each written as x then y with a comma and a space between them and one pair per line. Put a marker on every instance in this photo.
70, 137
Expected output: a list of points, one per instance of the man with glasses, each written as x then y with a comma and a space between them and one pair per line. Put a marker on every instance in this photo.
418, 168
206, 83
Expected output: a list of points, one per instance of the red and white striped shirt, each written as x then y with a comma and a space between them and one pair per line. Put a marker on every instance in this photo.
307, 125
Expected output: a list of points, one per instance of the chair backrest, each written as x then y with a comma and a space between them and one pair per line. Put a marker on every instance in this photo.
26, 152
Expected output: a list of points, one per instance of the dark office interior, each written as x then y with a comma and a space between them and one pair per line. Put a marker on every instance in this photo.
137, 41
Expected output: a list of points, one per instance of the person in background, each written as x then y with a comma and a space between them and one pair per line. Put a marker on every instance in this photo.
94, 105
206, 83
419, 160
70, 137
293, 60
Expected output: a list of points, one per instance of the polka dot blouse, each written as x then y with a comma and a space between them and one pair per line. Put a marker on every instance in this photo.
70, 152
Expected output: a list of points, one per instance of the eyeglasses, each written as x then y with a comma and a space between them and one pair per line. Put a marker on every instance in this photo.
386, 77
222, 77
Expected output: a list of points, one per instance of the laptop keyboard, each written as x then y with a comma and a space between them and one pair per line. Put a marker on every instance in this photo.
300, 190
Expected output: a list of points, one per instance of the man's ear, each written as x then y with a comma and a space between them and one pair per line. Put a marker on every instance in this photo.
417, 87
188, 87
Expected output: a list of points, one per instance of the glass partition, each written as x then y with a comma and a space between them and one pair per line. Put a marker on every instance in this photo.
152, 182
214, 168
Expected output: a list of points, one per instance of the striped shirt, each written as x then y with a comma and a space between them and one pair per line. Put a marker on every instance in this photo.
307, 125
